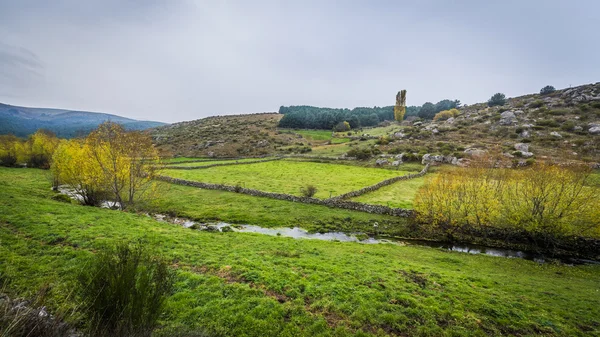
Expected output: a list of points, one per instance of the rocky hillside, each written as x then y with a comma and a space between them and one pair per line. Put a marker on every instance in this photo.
225, 136
563, 125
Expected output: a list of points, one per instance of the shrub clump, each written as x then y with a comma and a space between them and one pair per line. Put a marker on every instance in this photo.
546, 201
360, 153
446, 114
123, 292
309, 191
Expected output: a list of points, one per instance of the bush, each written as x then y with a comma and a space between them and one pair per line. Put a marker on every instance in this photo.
8, 160
548, 122
309, 191
123, 292
383, 140
360, 153
446, 114
568, 126
536, 104
497, 100
341, 127
547, 200
547, 90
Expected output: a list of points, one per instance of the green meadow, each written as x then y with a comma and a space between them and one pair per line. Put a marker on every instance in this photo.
400, 194
240, 284
290, 176
213, 162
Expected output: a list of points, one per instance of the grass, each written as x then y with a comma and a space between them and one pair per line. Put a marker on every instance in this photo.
336, 150
227, 161
289, 176
314, 134
400, 194
239, 284
176, 160
213, 206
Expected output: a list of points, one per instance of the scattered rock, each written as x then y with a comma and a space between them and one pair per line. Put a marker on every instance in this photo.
594, 129
399, 135
522, 147
555, 134
450, 120
262, 143
396, 163
473, 152
381, 162
507, 118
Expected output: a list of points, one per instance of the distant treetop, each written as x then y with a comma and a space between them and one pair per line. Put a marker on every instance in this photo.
547, 90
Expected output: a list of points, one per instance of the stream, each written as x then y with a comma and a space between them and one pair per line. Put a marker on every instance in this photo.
300, 233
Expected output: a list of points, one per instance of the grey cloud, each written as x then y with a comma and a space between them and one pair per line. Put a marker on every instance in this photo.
174, 60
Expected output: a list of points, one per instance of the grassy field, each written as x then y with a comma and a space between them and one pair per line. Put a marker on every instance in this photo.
290, 176
399, 194
180, 159
314, 134
237, 284
211, 206
216, 161
336, 150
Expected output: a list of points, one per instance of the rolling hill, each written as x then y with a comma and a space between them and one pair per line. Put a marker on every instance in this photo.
23, 121
226, 136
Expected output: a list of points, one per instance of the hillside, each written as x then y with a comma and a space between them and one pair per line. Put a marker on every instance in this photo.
23, 121
225, 136
563, 125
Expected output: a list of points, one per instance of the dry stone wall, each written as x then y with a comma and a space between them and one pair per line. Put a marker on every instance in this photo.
334, 203
381, 184
222, 164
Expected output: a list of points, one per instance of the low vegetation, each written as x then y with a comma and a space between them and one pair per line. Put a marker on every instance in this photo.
254, 285
124, 291
546, 202
110, 163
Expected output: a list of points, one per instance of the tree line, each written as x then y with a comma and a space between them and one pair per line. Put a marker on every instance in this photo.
311, 117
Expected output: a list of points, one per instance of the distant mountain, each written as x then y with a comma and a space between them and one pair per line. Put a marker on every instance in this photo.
22, 121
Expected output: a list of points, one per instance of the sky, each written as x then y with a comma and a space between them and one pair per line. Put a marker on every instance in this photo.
176, 60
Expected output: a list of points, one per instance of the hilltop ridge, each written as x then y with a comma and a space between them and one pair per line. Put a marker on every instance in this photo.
23, 121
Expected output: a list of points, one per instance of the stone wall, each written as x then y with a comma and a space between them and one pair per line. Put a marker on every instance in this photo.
212, 159
222, 164
319, 157
334, 203
380, 184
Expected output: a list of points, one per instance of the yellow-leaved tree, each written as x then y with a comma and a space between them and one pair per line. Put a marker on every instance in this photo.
400, 107
547, 201
41, 146
119, 164
73, 166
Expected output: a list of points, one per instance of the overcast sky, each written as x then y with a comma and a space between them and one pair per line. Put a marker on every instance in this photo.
175, 60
